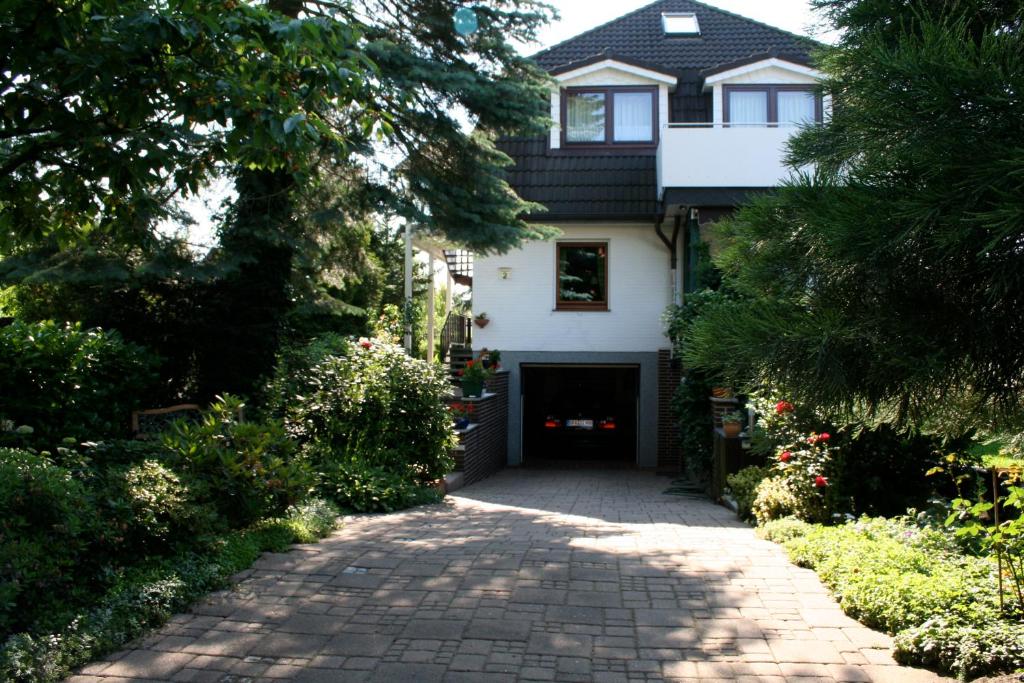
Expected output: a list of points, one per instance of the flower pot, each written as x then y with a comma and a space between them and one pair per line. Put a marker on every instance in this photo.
481, 322
461, 422
472, 387
732, 429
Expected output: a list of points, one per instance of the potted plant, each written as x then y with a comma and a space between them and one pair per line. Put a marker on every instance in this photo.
463, 413
490, 359
472, 378
481, 320
732, 424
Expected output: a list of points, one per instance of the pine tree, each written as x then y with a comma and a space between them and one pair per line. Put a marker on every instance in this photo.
890, 282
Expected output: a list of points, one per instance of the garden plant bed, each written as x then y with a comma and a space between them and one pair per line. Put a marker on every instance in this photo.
914, 583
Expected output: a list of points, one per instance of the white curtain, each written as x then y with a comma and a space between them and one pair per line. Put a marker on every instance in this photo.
748, 106
633, 115
796, 106
584, 120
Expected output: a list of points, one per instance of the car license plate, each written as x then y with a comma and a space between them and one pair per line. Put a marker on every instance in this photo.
579, 424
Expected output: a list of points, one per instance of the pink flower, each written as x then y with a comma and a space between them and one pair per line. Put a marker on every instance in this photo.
820, 482
786, 456
824, 436
365, 343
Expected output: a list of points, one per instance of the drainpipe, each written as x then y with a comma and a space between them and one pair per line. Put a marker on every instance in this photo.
673, 248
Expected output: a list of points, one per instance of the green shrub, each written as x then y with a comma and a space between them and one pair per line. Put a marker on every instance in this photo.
373, 421
966, 651
364, 488
782, 530
249, 470
150, 509
893, 576
48, 520
146, 596
774, 498
64, 381
113, 452
743, 486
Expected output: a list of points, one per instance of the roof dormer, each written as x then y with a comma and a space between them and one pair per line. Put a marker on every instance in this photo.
613, 93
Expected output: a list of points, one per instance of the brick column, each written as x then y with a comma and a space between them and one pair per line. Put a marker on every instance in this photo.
670, 455
483, 446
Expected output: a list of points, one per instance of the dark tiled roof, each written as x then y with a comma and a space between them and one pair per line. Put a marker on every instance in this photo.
624, 187
724, 37
574, 187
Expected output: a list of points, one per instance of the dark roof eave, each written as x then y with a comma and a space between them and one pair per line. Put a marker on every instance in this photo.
754, 58
698, 197
608, 54
603, 217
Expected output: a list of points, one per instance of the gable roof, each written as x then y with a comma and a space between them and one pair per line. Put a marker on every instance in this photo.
724, 37
581, 186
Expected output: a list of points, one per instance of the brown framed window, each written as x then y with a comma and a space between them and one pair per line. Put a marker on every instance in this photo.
606, 116
763, 105
582, 276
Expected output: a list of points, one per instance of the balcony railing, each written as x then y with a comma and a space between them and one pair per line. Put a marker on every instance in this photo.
722, 155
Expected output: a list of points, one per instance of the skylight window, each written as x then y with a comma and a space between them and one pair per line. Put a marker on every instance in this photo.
680, 24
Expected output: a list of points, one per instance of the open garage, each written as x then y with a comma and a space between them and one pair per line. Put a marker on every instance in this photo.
579, 414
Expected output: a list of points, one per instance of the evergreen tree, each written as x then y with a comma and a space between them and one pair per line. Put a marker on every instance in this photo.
890, 281
326, 113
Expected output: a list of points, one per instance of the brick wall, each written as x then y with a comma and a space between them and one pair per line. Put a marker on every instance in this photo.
483, 447
670, 455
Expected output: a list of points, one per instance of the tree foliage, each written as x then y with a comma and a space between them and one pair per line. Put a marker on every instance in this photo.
330, 117
114, 109
890, 281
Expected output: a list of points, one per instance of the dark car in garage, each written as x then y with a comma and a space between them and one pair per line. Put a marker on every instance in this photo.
579, 413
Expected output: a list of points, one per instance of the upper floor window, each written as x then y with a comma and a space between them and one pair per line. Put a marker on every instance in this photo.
609, 116
582, 276
759, 105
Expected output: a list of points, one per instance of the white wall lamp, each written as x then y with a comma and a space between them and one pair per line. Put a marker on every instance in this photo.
504, 272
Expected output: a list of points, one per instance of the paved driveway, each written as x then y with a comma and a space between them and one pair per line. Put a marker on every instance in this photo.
530, 575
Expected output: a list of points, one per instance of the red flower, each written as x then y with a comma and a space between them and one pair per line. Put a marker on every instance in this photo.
820, 482
469, 363
366, 344
459, 373
786, 456
824, 436
783, 407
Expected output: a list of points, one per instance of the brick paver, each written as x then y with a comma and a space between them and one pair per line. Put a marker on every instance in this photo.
528, 576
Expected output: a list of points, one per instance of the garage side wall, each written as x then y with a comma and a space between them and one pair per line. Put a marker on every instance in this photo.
647, 427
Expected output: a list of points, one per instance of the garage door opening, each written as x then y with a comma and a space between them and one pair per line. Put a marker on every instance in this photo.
579, 414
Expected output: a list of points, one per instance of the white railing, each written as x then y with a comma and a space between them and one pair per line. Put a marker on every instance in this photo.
722, 155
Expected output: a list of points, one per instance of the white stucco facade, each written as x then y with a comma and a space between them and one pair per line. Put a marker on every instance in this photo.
522, 311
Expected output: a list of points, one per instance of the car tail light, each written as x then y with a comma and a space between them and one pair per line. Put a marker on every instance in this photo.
552, 423
607, 424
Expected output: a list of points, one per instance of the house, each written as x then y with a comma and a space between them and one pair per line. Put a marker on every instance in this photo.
663, 120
